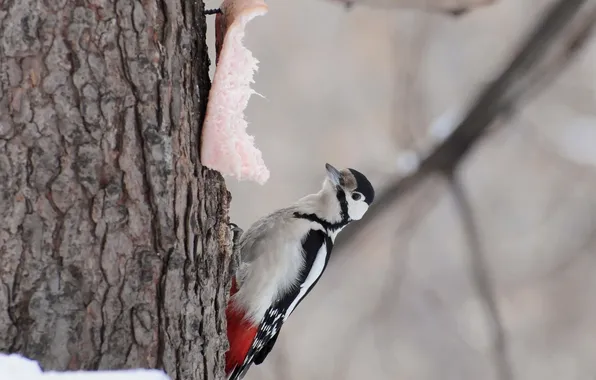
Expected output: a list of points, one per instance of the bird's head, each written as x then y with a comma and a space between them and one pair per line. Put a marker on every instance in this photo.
353, 190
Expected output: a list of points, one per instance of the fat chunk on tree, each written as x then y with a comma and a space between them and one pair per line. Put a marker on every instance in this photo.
225, 144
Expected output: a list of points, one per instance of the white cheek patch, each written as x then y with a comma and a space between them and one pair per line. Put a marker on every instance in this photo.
356, 209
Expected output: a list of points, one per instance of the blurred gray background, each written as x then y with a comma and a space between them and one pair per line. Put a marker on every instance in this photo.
361, 89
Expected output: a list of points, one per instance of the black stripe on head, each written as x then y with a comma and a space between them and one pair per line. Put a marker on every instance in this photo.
329, 227
343, 203
363, 186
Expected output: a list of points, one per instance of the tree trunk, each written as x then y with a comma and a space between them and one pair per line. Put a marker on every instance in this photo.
114, 243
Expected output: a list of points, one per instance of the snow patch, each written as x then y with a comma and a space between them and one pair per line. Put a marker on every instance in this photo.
17, 367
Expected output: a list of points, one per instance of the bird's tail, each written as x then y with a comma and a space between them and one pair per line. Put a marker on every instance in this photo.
241, 334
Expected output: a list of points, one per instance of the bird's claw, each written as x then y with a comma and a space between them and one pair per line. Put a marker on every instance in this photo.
236, 233
212, 11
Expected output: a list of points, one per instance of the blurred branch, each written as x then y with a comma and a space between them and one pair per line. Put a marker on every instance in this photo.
481, 278
529, 68
380, 315
450, 7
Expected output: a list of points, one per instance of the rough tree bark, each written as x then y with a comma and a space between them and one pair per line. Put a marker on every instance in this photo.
113, 238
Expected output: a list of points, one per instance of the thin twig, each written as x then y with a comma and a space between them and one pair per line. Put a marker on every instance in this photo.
500, 98
448, 8
481, 277
395, 276
416, 211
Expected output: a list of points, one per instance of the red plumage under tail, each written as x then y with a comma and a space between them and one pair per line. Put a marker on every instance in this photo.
241, 333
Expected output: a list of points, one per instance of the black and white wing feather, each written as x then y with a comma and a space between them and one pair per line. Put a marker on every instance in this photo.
317, 247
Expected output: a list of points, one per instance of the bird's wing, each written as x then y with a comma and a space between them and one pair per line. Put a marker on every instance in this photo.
268, 227
316, 246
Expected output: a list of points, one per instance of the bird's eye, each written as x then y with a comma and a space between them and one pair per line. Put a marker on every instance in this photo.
356, 196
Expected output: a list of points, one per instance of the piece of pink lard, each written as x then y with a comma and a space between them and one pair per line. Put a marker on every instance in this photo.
225, 144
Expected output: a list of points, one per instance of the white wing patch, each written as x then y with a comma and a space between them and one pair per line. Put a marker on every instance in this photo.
315, 272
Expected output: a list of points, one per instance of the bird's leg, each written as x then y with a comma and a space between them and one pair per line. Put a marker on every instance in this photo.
236, 233
212, 11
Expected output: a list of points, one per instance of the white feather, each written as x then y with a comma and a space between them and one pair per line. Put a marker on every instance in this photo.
315, 272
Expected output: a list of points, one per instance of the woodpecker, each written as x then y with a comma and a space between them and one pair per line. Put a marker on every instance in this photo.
281, 258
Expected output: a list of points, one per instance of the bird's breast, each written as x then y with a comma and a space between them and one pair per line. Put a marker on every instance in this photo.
274, 272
